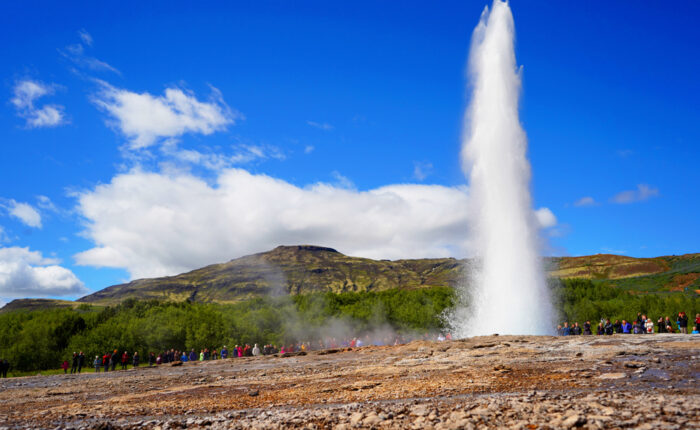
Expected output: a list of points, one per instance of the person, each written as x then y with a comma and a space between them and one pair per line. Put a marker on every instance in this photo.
151, 359
97, 363
74, 366
4, 367
201, 355
660, 325
184, 358
608, 327
256, 350
81, 361
125, 360
626, 327
669, 325
135, 360
697, 324
682, 322
649, 327
601, 329
587, 328
159, 359
105, 360
638, 328
224, 353
576, 329
565, 331
114, 359
193, 355
64, 366
617, 326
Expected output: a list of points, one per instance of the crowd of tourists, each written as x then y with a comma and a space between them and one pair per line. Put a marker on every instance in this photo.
110, 360
641, 325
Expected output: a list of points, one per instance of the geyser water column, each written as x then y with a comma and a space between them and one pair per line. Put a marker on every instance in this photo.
506, 289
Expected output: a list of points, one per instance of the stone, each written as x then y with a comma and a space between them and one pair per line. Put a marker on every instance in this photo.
356, 417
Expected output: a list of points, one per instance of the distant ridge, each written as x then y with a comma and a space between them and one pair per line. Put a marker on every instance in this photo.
303, 269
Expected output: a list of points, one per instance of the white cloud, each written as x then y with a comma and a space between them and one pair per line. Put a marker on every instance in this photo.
320, 125
642, 193
25, 94
25, 213
76, 54
545, 218
422, 170
216, 161
308, 149
146, 119
25, 273
46, 203
585, 201
342, 181
85, 37
155, 224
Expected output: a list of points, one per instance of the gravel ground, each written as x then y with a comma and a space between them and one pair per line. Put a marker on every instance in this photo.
620, 381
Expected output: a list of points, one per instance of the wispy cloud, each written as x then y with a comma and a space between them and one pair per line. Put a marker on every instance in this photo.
146, 119
216, 161
308, 149
342, 181
642, 193
320, 125
76, 54
85, 37
585, 201
422, 169
24, 212
25, 94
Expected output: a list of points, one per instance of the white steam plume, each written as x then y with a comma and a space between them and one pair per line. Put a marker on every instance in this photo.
506, 290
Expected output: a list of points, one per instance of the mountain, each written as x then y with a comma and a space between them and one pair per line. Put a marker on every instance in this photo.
306, 268
287, 270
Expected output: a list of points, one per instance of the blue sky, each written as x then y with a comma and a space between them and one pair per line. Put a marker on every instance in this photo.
148, 139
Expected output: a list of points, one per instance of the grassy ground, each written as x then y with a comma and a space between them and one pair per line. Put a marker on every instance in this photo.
17, 373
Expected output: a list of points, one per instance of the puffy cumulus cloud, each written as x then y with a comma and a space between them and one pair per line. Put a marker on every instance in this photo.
642, 193
25, 273
25, 94
146, 119
545, 218
156, 224
26, 213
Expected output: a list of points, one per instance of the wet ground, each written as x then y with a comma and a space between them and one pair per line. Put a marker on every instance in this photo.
621, 381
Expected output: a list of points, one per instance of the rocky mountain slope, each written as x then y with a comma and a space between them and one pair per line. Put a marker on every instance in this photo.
306, 268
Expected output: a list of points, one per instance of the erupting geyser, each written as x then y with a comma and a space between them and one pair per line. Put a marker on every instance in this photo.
506, 291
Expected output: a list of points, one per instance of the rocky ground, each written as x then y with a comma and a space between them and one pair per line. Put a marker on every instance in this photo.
621, 381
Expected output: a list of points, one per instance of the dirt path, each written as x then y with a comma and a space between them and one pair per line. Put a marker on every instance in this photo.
499, 381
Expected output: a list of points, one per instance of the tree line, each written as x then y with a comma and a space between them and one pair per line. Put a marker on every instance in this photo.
43, 339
